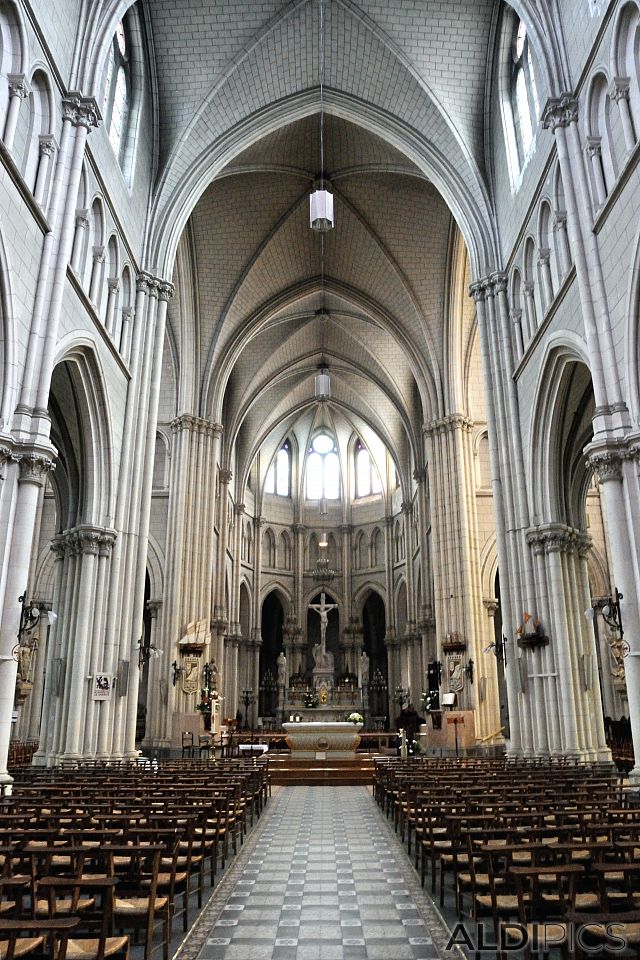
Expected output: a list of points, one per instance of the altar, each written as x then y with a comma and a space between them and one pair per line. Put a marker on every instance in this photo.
316, 740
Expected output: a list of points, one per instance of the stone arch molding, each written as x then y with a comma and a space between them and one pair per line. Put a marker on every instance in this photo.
362, 593
97, 428
562, 350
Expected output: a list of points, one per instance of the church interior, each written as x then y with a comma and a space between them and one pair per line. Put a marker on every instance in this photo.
320, 468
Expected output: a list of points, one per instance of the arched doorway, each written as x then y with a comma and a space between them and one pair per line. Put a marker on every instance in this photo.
374, 624
271, 630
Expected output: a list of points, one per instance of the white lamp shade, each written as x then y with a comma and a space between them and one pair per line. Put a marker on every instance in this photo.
323, 385
321, 210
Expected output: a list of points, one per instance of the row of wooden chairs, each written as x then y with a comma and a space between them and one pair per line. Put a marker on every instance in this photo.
546, 853
116, 850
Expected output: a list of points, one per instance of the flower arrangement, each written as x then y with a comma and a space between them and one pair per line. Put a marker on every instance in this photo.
205, 702
355, 717
429, 701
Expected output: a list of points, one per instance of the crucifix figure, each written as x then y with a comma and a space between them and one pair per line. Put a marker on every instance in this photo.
320, 649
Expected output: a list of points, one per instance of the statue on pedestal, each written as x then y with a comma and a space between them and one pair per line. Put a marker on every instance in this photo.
364, 669
282, 669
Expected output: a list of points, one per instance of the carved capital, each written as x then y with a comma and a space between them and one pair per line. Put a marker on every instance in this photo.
607, 464
515, 315
491, 606
420, 475
239, 509
47, 144
544, 257
145, 283
594, 146
82, 219
81, 111
619, 89
560, 112
18, 85
99, 254
499, 282
128, 313
166, 290
34, 468
225, 476
153, 606
560, 219
407, 508
478, 291
113, 285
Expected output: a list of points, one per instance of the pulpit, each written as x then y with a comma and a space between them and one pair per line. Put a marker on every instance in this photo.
457, 725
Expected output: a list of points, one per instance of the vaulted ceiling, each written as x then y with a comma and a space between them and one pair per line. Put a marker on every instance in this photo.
377, 298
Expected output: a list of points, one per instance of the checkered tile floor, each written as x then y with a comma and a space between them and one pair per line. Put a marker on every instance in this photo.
322, 877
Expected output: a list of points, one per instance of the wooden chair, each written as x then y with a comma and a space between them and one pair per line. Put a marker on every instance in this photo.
96, 941
188, 748
20, 937
138, 905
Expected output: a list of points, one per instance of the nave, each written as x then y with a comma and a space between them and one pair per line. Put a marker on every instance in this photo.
323, 877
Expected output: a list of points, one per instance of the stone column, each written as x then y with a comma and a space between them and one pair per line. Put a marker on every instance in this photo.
95, 285
155, 731
18, 91
47, 147
616, 468
531, 319
479, 293
113, 288
594, 153
562, 242
81, 227
516, 321
128, 314
52, 653
619, 93
299, 531
34, 465
544, 262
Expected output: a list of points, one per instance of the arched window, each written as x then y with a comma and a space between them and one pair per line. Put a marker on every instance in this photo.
367, 478
117, 89
279, 473
519, 94
323, 469
523, 89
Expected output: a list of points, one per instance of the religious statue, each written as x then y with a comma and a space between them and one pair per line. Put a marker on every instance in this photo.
364, 669
323, 659
282, 669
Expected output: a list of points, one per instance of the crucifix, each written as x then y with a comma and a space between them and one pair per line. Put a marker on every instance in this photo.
322, 609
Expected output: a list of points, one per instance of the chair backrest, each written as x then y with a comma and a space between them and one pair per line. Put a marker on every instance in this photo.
187, 739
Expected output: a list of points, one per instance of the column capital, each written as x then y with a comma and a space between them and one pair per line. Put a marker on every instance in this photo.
594, 146
34, 467
491, 606
499, 281
145, 282
225, 476
420, 475
544, 255
81, 111
619, 89
515, 315
559, 112
187, 421
455, 421
128, 313
299, 528
560, 218
239, 509
99, 253
113, 284
153, 606
166, 290
82, 218
552, 538
407, 508
47, 144
478, 290
18, 85
606, 461
346, 528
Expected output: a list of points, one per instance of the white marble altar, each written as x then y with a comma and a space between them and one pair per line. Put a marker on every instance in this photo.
308, 740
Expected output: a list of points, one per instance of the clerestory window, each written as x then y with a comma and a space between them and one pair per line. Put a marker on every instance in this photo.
323, 469
278, 479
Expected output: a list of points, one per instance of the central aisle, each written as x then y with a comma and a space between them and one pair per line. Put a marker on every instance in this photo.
323, 877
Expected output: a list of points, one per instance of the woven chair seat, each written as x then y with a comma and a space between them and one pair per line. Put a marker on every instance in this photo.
86, 949
24, 945
137, 906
